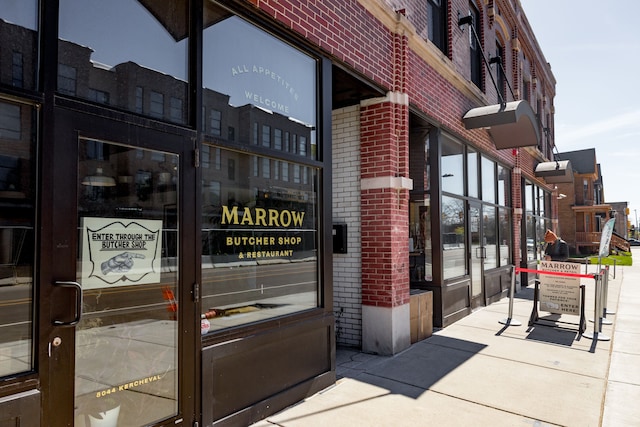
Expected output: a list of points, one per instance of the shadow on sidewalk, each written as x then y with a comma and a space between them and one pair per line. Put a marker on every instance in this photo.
411, 372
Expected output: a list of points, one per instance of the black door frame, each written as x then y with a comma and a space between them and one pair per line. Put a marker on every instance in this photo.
476, 255
58, 243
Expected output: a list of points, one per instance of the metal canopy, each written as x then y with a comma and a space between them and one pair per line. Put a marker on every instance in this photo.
511, 125
555, 172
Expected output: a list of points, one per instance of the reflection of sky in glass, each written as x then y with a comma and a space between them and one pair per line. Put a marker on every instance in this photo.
472, 169
488, 181
253, 67
21, 12
452, 177
122, 30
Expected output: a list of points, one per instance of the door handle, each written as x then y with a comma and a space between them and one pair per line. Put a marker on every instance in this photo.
78, 309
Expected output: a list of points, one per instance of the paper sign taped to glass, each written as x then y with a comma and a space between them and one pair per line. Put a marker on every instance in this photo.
120, 252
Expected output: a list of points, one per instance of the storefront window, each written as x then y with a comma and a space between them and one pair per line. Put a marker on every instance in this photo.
19, 26
260, 227
126, 53
17, 237
453, 237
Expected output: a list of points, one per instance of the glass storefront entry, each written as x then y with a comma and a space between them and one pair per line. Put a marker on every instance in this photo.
126, 355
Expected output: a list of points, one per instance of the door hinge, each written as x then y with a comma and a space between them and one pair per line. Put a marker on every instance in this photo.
196, 158
196, 292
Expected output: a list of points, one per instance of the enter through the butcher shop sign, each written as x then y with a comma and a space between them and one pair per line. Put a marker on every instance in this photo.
120, 252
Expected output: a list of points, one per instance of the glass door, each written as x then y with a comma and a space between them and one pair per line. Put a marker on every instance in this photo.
477, 255
122, 315
126, 356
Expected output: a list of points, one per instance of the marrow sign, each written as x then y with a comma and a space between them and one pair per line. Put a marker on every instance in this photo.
263, 217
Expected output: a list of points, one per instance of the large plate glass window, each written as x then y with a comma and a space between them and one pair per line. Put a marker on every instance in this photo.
259, 173
17, 237
128, 54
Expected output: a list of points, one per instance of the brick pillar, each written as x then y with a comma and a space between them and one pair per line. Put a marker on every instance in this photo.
385, 224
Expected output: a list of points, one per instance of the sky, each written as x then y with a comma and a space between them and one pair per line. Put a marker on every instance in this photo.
594, 51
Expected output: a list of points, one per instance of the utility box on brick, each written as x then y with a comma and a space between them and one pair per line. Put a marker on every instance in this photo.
421, 313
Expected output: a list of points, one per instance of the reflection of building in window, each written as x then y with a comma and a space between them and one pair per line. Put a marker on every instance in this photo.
266, 168
217, 159
205, 156
67, 77
9, 121
277, 139
215, 122
175, 110
17, 69
215, 191
266, 136
231, 169
99, 96
156, 105
94, 150
296, 174
157, 156
139, 100
144, 185
303, 146
9, 173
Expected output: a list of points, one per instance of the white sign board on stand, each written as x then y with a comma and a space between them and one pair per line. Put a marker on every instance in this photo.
605, 238
559, 294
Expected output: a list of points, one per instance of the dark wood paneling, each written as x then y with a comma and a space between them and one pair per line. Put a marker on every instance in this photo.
281, 366
451, 301
497, 283
22, 409
456, 300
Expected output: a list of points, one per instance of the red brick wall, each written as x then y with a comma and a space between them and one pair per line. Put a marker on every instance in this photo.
384, 221
348, 32
343, 28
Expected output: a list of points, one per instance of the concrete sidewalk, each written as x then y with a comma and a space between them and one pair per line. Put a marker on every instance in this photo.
480, 372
